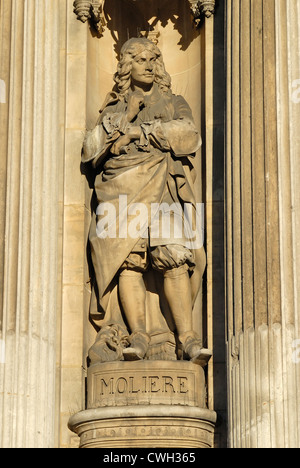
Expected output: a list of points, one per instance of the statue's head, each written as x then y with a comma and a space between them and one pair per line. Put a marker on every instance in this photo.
141, 61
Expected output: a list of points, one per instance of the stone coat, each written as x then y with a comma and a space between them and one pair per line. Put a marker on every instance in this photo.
153, 170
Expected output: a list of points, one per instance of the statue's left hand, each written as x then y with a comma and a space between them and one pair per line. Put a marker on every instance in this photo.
133, 133
124, 140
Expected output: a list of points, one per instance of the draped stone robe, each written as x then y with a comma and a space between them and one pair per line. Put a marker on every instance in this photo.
155, 169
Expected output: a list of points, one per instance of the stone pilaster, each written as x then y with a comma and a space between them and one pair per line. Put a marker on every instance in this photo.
262, 212
30, 185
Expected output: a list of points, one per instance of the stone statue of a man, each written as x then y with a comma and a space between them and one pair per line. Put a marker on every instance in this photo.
142, 148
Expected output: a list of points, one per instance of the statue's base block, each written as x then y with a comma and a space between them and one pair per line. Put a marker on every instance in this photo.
146, 383
145, 404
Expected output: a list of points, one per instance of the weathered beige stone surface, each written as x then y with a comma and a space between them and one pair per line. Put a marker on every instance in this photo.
53, 75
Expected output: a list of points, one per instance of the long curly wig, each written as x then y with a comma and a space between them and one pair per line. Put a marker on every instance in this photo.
129, 51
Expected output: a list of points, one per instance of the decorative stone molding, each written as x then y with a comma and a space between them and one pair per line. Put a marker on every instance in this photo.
208, 7
148, 426
91, 10
202, 7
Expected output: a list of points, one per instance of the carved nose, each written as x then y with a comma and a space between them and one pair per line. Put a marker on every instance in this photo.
149, 66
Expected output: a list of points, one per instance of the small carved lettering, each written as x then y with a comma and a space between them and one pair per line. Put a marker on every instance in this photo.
168, 384
131, 386
182, 384
153, 384
121, 385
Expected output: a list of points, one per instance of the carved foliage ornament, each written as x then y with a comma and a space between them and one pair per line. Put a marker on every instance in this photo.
93, 10
202, 7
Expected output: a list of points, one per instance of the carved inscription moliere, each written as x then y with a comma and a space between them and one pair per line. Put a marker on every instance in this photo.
146, 383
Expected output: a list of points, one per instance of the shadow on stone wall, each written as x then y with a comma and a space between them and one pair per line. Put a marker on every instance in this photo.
130, 18
218, 260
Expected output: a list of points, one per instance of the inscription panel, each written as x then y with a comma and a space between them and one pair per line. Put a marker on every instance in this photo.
144, 383
160, 431
171, 436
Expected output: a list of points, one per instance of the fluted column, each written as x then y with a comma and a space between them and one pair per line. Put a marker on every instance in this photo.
288, 117
30, 184
262, 211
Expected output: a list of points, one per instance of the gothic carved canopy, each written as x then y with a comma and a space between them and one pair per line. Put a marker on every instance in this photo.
93, 10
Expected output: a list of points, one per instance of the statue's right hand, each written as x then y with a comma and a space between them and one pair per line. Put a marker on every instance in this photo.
135, 102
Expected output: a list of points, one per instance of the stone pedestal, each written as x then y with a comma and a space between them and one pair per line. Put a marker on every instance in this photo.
145, 404
145, 427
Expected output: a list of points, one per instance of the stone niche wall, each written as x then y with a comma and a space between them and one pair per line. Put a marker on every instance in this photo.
195, 60
180, 44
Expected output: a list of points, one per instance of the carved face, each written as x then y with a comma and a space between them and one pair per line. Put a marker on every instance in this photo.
143, 68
